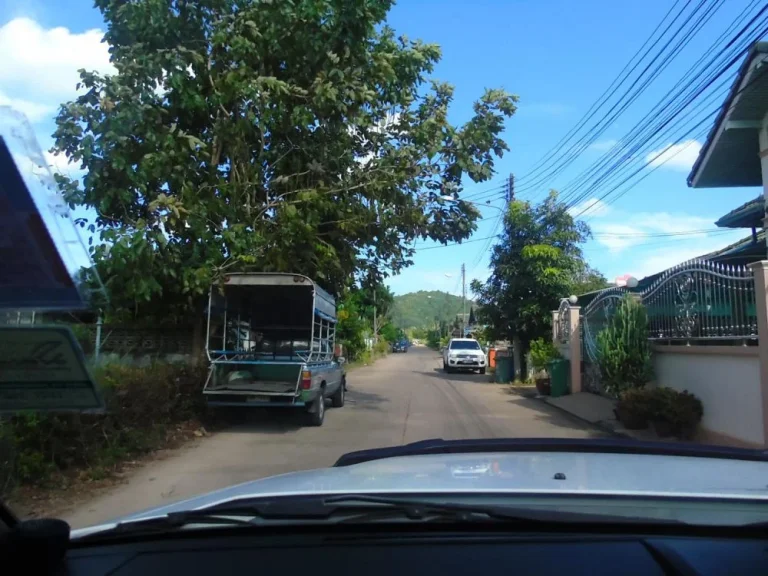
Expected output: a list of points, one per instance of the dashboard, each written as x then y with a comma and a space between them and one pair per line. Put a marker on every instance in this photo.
445, 552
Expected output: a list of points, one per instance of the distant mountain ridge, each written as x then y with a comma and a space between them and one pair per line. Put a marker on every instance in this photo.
423, 309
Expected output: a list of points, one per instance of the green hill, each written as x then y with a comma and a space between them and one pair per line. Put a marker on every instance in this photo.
424, 309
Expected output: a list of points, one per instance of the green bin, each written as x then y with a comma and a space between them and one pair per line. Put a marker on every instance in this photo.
560, 375
504, 367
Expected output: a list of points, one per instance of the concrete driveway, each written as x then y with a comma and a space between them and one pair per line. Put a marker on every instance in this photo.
402, 398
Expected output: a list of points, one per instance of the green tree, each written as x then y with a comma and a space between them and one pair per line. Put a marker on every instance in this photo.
623, 348
283, 135
588, 280
532, 268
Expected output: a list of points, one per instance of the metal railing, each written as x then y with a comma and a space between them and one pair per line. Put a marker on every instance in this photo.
702, 300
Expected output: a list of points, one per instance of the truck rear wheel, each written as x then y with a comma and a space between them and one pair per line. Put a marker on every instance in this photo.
317, 415
337, 400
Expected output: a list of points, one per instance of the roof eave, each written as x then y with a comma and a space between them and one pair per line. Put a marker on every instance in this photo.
757, 48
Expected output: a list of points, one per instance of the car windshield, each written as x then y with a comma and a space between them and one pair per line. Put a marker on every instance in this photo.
465, 345
241, 239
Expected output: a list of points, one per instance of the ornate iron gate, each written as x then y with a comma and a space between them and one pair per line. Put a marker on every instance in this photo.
701, 300
594, 317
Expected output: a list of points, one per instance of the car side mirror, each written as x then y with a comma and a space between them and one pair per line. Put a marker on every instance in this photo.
341, 360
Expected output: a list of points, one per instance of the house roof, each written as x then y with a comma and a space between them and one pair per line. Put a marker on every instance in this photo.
730, 155
748, 215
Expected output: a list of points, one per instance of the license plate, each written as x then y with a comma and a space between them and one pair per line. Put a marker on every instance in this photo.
467, 362
257, 399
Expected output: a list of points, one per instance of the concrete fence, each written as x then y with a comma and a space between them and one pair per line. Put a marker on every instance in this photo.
695, 349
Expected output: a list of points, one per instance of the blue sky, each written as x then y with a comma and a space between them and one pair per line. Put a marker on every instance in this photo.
558, 56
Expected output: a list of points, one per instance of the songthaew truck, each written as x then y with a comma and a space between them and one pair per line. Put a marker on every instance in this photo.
271, 342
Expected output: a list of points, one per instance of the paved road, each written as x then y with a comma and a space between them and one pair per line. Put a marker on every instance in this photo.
402, 399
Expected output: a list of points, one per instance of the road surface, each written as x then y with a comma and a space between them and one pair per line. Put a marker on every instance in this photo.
402, 398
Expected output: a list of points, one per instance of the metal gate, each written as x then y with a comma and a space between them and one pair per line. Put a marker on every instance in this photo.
595, 317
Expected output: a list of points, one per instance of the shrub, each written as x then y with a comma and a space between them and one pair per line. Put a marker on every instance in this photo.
542, 353
680, 411
143, 405
623, 349
635, 407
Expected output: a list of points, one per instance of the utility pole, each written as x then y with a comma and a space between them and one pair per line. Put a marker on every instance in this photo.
516, 355
463, 299
375, 329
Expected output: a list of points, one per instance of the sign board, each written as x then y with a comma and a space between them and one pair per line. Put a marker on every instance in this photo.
42, 369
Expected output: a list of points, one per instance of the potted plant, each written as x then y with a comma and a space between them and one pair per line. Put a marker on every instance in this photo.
542, 353
634, 408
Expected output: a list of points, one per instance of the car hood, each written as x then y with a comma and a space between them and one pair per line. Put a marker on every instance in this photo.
514, 473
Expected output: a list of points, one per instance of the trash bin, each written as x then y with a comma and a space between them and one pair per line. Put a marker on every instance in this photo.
560, 375
492, 358
504, 370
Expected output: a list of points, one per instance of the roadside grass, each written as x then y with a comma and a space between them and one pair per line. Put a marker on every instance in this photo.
368, 357
146, 408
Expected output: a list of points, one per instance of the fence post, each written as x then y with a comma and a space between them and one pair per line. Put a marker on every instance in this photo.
574, 342
555, 318
760, 273
97, 344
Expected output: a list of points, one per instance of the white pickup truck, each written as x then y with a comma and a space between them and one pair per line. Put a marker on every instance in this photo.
464, 354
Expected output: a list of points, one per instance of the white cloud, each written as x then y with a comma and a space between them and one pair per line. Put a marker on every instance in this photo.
46, 60
603, 145
32, 110
39, 69
657, 260
593, 208
59, 163
676, 156
624, 230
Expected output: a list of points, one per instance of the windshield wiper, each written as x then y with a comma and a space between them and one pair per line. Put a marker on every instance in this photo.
424, 509
359, 508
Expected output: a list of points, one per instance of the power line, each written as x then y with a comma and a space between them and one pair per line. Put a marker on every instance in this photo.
597, 104
656, 157
709, 232
684, 34
664, 107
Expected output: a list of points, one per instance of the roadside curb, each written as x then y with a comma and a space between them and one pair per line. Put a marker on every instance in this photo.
600, 425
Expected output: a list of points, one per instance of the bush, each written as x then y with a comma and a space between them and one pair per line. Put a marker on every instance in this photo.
381, 348
672, 412
679, 412
635, 407
623, 349
542, 353
143, 406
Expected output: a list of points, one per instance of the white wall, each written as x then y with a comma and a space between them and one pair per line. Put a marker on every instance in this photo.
727, 384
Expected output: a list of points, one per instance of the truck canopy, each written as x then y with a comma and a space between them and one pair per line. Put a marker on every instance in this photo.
270, 316
290, 288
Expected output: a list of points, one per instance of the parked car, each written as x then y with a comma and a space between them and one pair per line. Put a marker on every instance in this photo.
464, 354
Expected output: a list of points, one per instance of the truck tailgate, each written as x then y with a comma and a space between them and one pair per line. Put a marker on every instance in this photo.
254, 378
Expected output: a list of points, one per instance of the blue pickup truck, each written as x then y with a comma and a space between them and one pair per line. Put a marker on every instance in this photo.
271, 341
400, 346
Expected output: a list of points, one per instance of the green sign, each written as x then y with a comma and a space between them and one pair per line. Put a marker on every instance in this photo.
42, 369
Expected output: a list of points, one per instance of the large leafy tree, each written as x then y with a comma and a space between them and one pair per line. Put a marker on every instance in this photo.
290, 135
533, 266
589, 280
